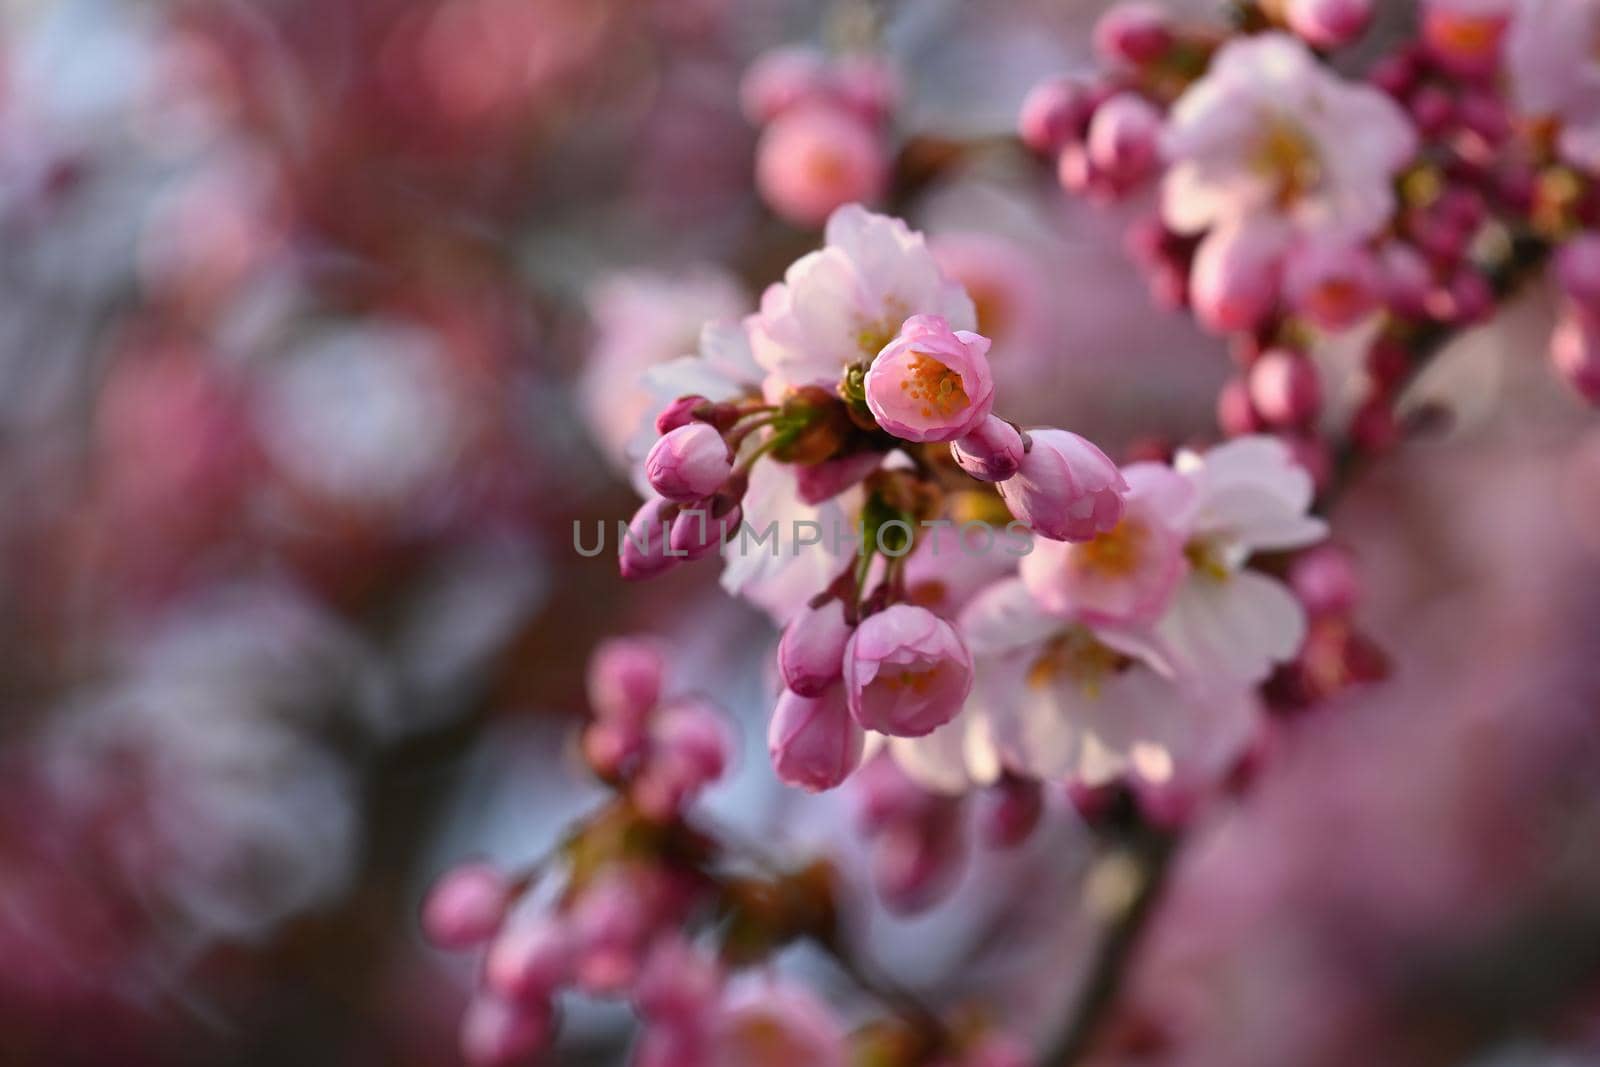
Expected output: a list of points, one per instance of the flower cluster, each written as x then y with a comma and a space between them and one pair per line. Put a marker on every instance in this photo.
638, 904
824, 130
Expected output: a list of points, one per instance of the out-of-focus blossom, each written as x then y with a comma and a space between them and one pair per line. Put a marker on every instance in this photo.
1265, 134
1330, 23
814, 159
1555, 72
1465, 36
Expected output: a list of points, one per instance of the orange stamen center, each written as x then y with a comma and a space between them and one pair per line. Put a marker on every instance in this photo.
935, 386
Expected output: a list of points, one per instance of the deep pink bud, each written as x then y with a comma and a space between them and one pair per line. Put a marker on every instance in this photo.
690, 748
1133, 32
1236, 278
816, 158
866, 84
701, 529
680, 413
495, 1033
1053, 113
1123, 138
1333, 282
1486, 113
906, 671
689, 464
1011, 811
1236, 412
466, 906
814, 742
1284, 388
1407, 279
1326, 580
931, 383
530, 959
678, 983
780, 79
609, 924
1330, 23
624, 679
811, 652
1067, 489
646, 550
1373, 427
1578, 271
992, 452
1575, 350
1432, 109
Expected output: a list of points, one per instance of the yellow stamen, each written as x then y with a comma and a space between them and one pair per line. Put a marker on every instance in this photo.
1286, 156
1077, 656
937, 386
1207, 561
1115, 554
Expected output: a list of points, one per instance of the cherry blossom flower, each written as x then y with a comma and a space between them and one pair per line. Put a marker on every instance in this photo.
1553, 55
839, 306
931, 383
906, 671
1266, 134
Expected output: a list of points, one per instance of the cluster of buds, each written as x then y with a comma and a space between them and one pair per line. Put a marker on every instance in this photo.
639, 905
1337, 655
825, 130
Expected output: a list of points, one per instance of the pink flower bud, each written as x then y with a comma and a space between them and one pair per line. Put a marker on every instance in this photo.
1053, 113
1578, 271
466, 906
811, 652
624, 679
689, 464
495, 1033
821, 482
611, 748
816, 158
866, 84
1330, 23
678, 984
679, 413
1067, 489
1575, 350
990, 453
646, 550
906, 671
1284, 388
690, 748
1407, 279
1326, 581
529, 959
609, 928
780, 79
1236, 412
1236, 277
813, 741
1123, 137
931, 383
1011, 811
1135, 32
701, 529
1333, 282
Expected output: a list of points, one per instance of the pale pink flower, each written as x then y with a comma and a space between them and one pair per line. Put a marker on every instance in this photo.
814, 742
1553, 54
818, 157
1226, 620
811, 652
990, 453
1067, 489
931, 383
690, 463
1127, 575
1268, 133
837, 307
906, 672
